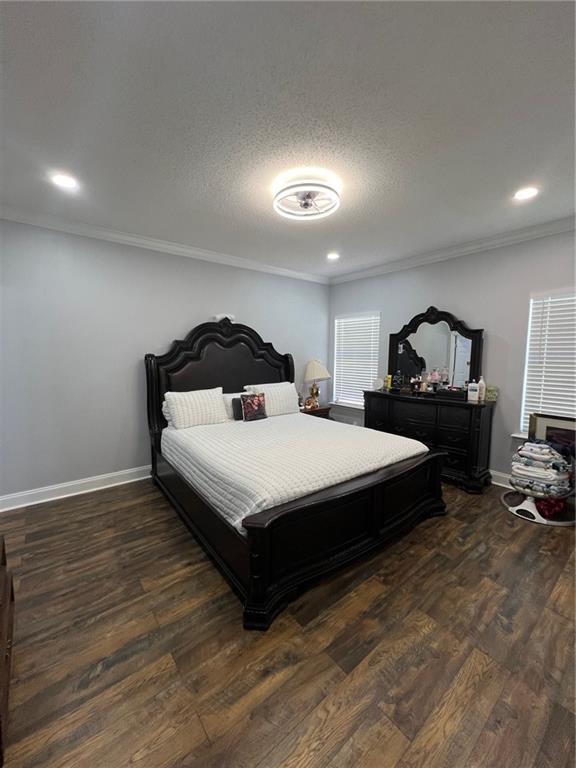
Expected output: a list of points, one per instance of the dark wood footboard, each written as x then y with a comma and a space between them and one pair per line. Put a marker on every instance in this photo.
290, 546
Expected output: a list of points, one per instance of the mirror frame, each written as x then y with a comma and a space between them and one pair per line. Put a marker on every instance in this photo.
434, 316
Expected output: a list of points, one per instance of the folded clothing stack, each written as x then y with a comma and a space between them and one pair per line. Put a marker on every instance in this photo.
539, 470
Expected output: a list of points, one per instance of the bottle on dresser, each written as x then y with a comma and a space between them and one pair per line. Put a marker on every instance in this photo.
481, 390
473, 391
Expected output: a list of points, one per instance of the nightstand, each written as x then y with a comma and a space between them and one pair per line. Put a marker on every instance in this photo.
323, 412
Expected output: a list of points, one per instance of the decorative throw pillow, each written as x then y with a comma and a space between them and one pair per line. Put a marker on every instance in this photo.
253, 406
191, 409
237, 408
228, 403
281, 397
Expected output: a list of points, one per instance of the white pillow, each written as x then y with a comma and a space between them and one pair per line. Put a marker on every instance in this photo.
281, 397
228, 397
166, 413
269, 384
190, 409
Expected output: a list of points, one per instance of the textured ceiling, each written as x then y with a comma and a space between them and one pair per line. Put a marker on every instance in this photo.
177, 117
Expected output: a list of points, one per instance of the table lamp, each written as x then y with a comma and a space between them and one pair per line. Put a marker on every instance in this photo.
315, 372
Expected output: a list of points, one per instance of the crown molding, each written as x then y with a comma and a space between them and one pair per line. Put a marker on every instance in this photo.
490, 243
152, 244
536, 232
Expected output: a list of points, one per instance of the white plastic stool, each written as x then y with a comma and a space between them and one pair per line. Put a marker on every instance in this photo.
525, 507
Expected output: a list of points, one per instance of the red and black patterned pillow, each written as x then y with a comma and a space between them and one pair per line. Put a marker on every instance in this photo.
253, 407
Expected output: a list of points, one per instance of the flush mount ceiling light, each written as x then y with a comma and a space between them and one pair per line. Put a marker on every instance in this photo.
526, 193
64, 181
306, 194
333, 256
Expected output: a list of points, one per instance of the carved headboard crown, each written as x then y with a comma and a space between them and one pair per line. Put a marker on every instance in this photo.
213, 354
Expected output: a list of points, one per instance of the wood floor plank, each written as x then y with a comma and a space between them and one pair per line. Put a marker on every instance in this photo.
547, 662
451, 647
59, 739
421, 677
468, 604
316, 741
247, 741
395, 602
530, 581
557, 748
376, 743
448, 735
563, 597
193, 633
514, 732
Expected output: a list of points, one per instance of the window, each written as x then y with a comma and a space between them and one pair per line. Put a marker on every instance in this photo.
550, 373
356, 348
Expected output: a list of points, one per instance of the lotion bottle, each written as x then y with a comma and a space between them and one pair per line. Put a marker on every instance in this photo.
481, 390
473, 391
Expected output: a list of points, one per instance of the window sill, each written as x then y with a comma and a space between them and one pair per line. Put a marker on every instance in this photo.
519, 435
348, 405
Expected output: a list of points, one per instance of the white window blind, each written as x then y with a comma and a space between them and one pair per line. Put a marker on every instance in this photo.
356, 349
550, 374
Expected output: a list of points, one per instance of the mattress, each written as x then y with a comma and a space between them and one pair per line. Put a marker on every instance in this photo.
241, 468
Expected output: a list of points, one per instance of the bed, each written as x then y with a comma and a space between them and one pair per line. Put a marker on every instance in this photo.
269, 536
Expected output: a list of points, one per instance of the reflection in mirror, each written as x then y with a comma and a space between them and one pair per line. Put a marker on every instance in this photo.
435, 346
460, 353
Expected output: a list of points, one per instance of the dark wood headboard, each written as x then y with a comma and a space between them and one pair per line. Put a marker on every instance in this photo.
222, 354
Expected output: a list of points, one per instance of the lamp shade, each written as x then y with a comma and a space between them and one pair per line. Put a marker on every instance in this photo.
315, 371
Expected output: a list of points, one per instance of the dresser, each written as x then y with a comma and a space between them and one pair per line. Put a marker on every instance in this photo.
6, 627
461, 429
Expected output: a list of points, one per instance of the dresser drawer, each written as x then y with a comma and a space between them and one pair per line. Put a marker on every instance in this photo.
452, 438
374, 421
423, 432
413, 411
375, 404
455, 463
454, 416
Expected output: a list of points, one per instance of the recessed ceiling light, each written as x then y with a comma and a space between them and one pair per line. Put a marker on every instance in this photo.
64, 181
526, 193
332, 256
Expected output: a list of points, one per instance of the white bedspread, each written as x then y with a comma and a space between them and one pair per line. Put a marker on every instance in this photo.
246, 467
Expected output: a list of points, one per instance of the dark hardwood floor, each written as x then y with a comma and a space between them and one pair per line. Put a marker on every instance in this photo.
452, 648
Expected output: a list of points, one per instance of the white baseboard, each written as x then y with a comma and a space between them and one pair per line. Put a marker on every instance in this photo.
500, 478
74, 488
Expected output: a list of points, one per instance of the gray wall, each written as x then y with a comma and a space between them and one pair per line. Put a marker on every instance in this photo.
488, 290
78, 315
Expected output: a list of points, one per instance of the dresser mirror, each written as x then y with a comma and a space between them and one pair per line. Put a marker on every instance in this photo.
437, 340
